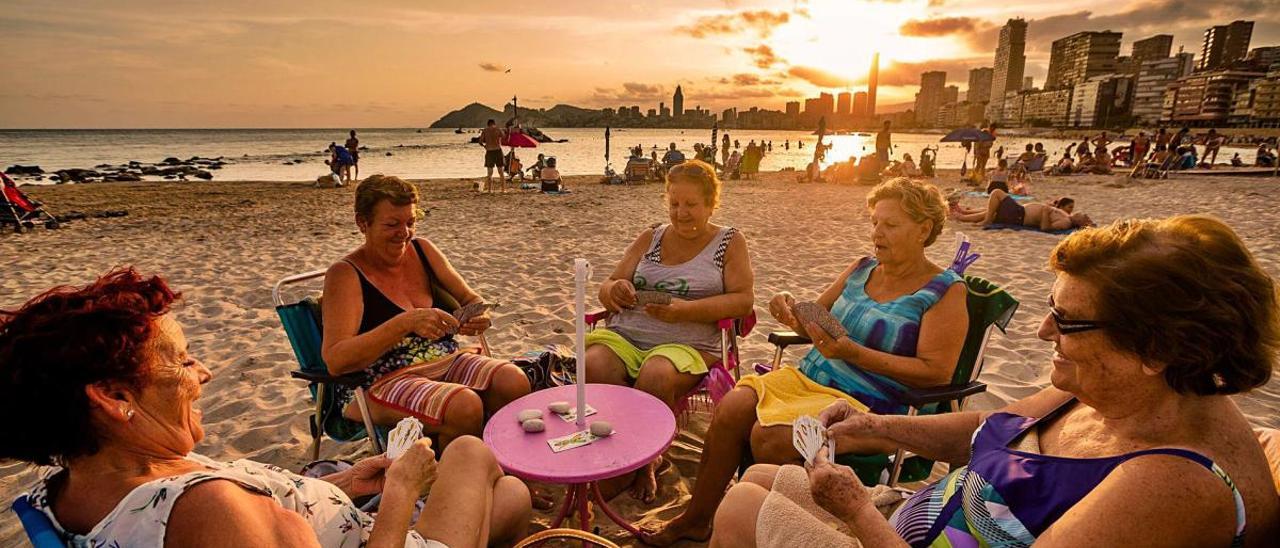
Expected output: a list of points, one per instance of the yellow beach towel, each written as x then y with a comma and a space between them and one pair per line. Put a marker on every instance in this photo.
787, 394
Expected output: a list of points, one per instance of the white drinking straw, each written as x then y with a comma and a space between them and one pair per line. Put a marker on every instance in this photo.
581, 271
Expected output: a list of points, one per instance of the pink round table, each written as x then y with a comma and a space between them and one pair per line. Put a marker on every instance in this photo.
643, 428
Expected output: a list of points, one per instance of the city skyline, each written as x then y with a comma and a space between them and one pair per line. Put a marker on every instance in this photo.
142, 63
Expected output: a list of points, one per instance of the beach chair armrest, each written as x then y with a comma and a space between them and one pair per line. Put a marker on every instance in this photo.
787, 338
350, 379
593, 318
924, 396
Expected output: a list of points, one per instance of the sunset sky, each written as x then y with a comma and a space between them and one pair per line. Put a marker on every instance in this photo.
321, 63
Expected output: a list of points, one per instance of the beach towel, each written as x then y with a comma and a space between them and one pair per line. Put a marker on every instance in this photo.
787, 394
1018, 197
998, 226
790, 516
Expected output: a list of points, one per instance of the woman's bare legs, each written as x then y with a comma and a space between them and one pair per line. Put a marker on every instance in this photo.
464, 416
727, 438
508, 384
659, 378
472, 503
735, 521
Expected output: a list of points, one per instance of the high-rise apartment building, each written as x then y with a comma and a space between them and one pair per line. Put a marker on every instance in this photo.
844, 101
677, 103
1149, 87
1081, 56
1159, 46
979, 85
1225, 44
931, 97
860, 104
1010, 62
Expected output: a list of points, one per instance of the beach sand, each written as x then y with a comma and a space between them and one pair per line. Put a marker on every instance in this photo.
224, 244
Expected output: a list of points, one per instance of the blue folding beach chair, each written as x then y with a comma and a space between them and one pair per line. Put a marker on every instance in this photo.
302, 323
39, 529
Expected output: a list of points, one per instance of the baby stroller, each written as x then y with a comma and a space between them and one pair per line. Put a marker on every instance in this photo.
928, 157
23, 212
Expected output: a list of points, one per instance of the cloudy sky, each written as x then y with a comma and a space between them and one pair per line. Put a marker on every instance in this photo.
389, 63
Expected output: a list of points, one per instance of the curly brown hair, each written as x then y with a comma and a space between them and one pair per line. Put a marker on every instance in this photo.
1183, 292
63, 340
376, 188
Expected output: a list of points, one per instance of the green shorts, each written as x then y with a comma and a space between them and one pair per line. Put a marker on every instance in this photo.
685, 357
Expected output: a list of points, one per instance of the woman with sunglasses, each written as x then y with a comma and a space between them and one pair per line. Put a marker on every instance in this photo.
1154, 323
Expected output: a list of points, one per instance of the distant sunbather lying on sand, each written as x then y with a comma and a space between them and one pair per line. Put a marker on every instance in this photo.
1003, 209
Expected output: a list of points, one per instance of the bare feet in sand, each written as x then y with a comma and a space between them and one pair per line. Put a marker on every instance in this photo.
680, 528
645, 486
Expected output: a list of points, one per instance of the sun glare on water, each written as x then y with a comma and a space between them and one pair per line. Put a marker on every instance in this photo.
840, 36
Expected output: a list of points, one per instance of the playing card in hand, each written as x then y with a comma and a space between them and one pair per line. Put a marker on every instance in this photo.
407, 432
815, 313
808, 435
472, 310
652, 297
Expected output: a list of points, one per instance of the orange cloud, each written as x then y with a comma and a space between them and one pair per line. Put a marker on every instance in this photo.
762, 56
819, 77
761, 21
941, 26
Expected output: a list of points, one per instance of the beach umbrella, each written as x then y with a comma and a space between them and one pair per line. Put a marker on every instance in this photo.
606, 149
967, 135
822, 132
715, 128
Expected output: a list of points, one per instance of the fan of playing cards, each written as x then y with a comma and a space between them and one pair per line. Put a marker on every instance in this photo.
466, 312
809, 436
407, 432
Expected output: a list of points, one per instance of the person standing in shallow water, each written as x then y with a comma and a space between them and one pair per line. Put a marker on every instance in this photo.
353, 147
884, 141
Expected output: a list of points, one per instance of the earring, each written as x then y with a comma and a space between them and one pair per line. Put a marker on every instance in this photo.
128, 413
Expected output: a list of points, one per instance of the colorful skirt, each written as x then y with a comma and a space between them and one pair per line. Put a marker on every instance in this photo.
424, 390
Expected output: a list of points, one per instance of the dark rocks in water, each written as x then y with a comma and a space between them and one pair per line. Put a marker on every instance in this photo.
150, 170
135, 163
216, 165
170, 177
103, 166
77, 175
202, 174
18, 169
287, 163
388, 154
170, 161
121, 178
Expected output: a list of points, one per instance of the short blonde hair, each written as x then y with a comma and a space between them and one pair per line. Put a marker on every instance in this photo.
922, 202
377, 188
699, 173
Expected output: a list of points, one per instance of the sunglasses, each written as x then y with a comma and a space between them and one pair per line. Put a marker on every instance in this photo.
1067, 327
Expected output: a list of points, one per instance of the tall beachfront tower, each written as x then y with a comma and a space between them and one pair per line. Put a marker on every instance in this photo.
1010, 63
873, 80
677, 103
1225, 44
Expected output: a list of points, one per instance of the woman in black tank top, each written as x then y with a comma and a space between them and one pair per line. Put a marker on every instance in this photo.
389, 305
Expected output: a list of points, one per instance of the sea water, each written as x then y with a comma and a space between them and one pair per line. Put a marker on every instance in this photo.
262, 154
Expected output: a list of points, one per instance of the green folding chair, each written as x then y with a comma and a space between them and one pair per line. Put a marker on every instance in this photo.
302, 324
989, 307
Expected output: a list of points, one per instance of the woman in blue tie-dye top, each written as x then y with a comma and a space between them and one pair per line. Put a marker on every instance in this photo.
906, 319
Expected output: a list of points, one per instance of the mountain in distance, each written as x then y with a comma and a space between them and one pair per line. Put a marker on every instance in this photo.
475, 115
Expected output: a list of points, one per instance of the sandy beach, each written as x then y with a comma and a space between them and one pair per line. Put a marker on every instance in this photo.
224, 244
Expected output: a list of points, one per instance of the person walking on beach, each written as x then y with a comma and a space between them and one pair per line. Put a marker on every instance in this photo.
1141, 144
1212, 143
884, 142
491, 139
353, 147
981, 152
